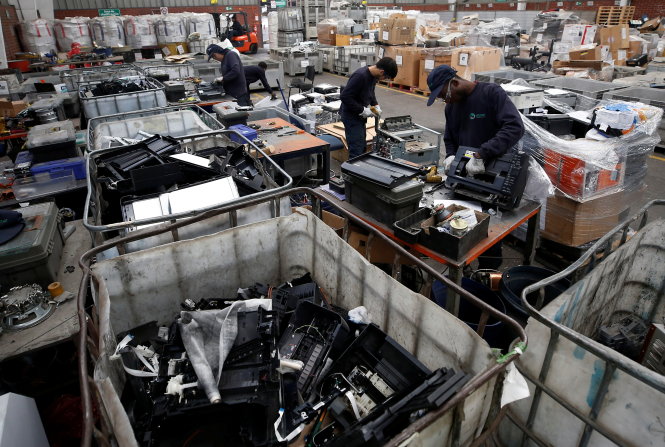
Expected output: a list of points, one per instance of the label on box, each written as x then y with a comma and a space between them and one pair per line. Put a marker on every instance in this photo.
539, 37
506, 49
589, 3
325, 57
464, 59
180, 49
382, 51
166, 51
158, 55
61, 88
332, 31
624, 33
386, 35
621, 54
304, 63
429, 64
4, 88
398, 60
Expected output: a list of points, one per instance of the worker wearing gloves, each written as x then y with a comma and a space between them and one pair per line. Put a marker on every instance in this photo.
478, 115
255, 73
233, 74
358, 100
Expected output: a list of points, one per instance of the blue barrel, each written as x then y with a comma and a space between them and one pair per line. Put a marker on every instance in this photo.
495, 334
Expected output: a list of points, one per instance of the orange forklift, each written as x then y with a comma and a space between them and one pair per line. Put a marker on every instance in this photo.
233, 25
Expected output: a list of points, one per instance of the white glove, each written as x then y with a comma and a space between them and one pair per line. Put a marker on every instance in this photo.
378, 110
366, 113
219, 80
447, 162
475, 166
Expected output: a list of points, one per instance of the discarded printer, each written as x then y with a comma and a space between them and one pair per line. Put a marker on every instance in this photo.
502, 184
255, 369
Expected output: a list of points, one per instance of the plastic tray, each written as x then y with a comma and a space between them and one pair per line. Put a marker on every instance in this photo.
123, 102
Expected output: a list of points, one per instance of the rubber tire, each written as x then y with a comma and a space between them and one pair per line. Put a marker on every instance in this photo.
253, 48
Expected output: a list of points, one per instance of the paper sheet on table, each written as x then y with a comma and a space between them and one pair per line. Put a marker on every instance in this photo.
468, 204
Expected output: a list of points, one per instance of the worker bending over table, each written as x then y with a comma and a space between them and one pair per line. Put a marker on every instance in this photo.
255, 73
359, 102
478, 115
233, 74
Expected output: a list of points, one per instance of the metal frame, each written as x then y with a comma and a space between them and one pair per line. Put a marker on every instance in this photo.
97, 227
612, 359
71, 76
88, 335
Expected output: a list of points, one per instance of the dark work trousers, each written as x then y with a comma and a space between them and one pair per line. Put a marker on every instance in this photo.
356, 134
243, 100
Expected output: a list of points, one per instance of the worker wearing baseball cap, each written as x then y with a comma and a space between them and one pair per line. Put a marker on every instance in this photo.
233, 73
478, 115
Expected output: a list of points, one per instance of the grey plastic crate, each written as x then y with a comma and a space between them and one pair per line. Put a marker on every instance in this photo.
295, 62
586, 87
289, 38
96, 106
508, 76
72, 78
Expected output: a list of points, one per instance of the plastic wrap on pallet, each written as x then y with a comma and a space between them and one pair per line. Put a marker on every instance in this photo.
72, 30
502, 32
140, 31
171, 28
429, 27
108, 31
549, 24
273, 27
37, 36
598, 165
290, 19
201, 23
326, 30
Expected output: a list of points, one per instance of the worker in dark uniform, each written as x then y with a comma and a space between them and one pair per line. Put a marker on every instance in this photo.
236, 28
233, 74
358, 100
255, 73
478, 115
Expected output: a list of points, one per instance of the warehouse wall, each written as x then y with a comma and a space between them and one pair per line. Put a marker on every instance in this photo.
651, 8
10, 19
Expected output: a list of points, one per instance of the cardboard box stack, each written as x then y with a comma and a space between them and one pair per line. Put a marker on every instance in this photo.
326, 31
408, 65
466, 60
397, 30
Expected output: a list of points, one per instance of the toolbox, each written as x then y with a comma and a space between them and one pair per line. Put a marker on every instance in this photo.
245, 131
59, 168
34, 255
383, 188
409, 229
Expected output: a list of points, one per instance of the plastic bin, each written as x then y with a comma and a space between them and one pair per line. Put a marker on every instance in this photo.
271, 252
447, 244
585, 87
508, 76
385, 205
42, 185
289, 38
175, 71
92, 219
72, 78
34, 255
54, 141
150, 98
59, 168
174, 121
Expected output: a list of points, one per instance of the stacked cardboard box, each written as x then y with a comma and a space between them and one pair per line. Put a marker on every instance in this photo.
397, 30
408, 65
326, 33
342, 40
466, 60
9, 109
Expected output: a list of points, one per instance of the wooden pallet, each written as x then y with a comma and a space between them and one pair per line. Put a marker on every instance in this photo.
615, 15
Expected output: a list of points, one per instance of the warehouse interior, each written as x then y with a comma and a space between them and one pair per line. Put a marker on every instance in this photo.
323, 223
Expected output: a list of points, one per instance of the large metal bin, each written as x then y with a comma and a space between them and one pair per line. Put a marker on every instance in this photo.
645, 95
123, 102
175, 71
585, 87
190, 144
295, 62
72, 78
582, 392
174, 121
269, 252
508, 76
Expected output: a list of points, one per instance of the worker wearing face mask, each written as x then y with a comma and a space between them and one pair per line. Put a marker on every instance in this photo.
358, 100
478, 115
